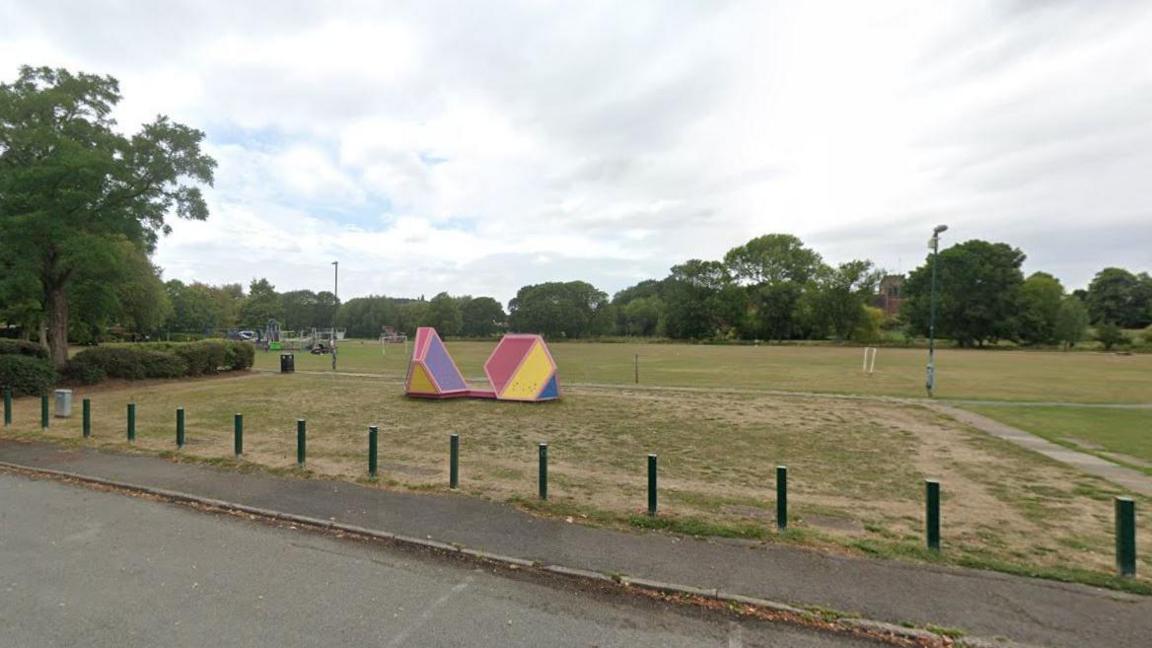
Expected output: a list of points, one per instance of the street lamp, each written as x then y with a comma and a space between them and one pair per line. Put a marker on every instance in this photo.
336, 296
934, 245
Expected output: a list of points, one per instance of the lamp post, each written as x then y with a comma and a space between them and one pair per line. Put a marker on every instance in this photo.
336, 297
934, 245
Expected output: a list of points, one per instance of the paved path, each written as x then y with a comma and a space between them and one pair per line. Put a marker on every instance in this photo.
1133, 480
86, 568
982, 603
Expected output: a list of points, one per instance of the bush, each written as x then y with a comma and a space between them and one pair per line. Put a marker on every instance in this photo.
125, 362
22, 347
1147, 335
26, 375
203, 358
1110, 335
239, 356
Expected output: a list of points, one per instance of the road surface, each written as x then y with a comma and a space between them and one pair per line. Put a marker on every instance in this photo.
93, 568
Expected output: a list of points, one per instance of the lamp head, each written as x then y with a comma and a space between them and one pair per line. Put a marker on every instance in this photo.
939, 229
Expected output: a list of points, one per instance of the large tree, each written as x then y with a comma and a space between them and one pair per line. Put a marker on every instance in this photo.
444, 314
978, 286
1120, 297
840, 295
1041, 297
556, 309
72, 187
483, 317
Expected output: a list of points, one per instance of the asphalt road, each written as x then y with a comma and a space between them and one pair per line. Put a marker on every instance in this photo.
85, 567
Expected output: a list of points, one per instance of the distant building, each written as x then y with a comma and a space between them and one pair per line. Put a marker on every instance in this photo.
890, 295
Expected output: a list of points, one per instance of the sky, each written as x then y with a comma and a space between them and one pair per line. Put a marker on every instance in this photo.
475, 147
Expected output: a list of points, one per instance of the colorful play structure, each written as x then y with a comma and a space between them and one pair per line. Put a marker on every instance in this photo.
520, 369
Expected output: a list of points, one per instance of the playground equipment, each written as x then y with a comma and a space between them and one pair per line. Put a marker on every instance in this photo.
390, 335
520, 368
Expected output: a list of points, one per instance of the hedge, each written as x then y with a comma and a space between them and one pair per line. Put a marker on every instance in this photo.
22, 347
160, 360
26, 375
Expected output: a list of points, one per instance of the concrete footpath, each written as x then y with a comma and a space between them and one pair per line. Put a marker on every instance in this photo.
983, 604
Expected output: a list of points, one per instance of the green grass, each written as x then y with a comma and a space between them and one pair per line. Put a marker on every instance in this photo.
1126, 432
856, 467
961, 374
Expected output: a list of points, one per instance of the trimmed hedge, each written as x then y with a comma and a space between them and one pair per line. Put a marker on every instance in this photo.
26, 375
160, 360
24, 348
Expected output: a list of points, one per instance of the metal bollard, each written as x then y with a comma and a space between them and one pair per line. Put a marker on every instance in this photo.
1126, 536
131, 422
44, 411
373, 433
238, 434
543, 478
932, 517
652, 484
782, 497
301, 441
179, 427
86, 417
7, 406
454, 462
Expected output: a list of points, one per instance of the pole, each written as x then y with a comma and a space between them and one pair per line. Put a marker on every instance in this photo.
781, 497
44, 411
238, 434
7, 406
373, 433
1126, 536
336, 296
131, 422
87, 416
930, 383
543, 471
636, 365
652, 485
179, 427
932, 521
454, 462
301, 441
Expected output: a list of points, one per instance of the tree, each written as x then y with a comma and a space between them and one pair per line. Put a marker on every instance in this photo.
444, 315
978, 287
556, 309
642, 316
71, 186
482, 317
366, 317
1071, 322
1116, 295
773, 258
263, 303
840, 295
694, 307
193, 308
1110, 335
1041, 298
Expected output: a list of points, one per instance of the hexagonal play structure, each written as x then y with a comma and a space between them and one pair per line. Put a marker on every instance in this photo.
520, 368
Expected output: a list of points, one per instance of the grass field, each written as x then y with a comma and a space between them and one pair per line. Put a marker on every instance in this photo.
856, 466
962, 374
1120, 435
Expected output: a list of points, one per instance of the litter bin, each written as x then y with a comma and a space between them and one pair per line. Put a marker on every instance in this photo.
287, 363
63, 403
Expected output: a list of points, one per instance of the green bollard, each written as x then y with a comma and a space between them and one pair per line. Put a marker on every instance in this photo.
652, 484
179, 427
131, 422
543, 471
238, 434
932, 517
373, 433
301, 441
87, 417
1126, 536
782, 497
454, 461
44, 411
7, 406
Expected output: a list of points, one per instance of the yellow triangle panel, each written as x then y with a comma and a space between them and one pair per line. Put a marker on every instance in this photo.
531, 377
419, 383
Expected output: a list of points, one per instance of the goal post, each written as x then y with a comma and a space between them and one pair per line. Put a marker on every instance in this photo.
870, 360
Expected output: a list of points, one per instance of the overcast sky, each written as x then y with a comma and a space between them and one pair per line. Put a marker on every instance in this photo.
478, 147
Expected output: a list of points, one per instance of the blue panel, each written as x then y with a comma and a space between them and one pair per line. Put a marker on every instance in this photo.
443, 369
551, 390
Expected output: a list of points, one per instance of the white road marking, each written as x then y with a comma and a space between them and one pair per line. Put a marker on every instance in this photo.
735, 635
426, 616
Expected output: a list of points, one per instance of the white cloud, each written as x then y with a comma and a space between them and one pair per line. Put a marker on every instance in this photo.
478, 146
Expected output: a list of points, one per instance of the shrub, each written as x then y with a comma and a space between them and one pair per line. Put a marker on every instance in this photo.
22, 347
1110, 335
26, 375
85, 370
1147, 335
205, 357
126, 362
239, 356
